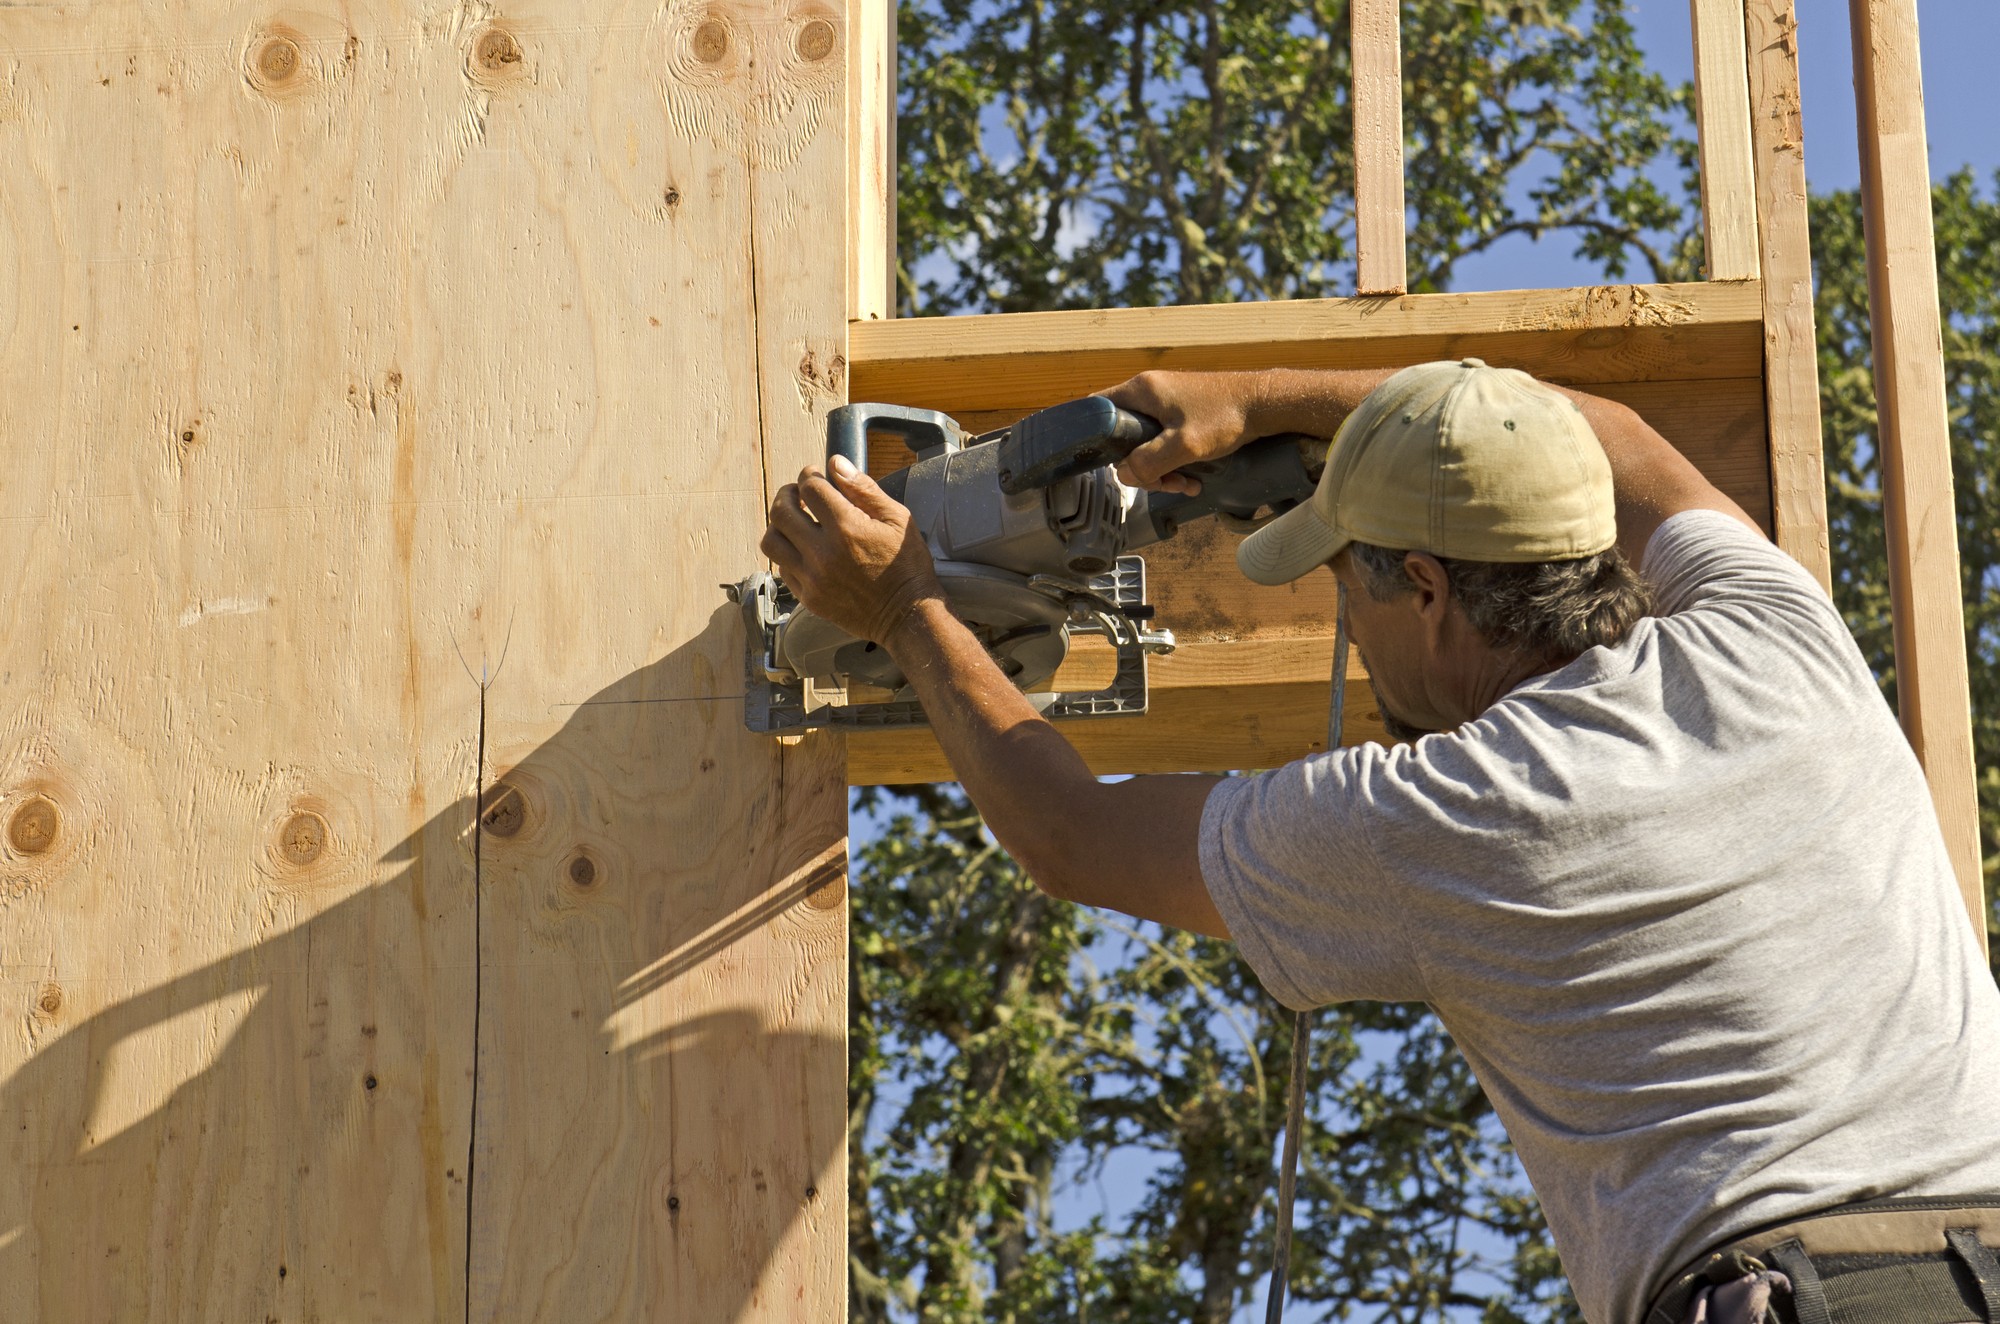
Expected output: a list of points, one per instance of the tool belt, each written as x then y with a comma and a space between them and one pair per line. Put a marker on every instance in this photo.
1895, 1261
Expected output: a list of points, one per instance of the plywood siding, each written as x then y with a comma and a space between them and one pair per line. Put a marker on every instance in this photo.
384, 392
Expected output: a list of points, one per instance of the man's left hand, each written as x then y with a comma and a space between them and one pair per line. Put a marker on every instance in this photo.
848, 551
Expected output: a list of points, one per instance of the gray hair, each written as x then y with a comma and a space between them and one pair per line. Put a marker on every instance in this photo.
1539, 607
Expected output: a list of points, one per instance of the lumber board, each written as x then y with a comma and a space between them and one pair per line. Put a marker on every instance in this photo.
1791, 361
661, 1094
1931, 679
403, 925
1722, 120
239, 751
1604, 333
1381, 264
871, 140
1213, 709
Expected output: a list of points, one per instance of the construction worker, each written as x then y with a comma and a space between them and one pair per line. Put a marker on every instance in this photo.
1656, 851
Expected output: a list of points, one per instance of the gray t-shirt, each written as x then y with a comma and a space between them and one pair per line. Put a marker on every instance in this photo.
1684, 906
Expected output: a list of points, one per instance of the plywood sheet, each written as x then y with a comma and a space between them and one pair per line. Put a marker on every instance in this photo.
661, 1087
388, 393
239, 748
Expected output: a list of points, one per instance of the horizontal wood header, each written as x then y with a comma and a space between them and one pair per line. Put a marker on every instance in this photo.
1599, 333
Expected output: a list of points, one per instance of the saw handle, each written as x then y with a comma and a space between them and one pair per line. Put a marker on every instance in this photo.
1065, 440
922, 430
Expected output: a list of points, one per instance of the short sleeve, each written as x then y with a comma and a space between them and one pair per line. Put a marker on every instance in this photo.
1289, 865
1706, 558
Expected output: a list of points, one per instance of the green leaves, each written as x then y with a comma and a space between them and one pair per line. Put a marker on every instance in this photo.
1004, 1047
1139, 152
1966, 218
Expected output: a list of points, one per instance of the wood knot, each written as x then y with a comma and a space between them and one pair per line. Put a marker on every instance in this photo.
711, 41
506, 810
496, 49
34, 826
275, 64
51, 1000
582, 871
303, 838
815, 41
826, 884
494, 58
278, 59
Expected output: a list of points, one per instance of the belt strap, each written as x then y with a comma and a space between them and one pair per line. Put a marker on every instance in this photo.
1890, 1225
1984, 1264
1808, 1293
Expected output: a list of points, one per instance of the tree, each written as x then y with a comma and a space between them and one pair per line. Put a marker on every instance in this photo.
1968, 257
1137, 152
1150, 151
1140, 152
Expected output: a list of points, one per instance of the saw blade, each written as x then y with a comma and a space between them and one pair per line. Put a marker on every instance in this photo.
1024, 629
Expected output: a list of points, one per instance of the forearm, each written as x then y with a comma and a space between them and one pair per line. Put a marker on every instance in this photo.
1131, 846
1651, 481
1012, 762
1313, 401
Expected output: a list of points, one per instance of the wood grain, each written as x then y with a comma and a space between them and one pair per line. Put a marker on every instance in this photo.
1722, 118
239, 751
871, 175
1791, 363
1931, 680
661, 1112
400, 387
1381, 264
1605, 333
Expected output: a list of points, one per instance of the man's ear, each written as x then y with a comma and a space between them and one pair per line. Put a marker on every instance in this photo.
1433, 587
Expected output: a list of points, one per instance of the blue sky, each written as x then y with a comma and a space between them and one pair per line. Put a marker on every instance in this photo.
1960, 38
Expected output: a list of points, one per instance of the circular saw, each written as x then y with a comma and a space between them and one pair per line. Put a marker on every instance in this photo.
1035, 540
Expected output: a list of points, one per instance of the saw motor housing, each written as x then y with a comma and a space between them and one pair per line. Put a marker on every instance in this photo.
1033, 535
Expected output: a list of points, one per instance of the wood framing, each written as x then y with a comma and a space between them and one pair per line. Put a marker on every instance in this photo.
399, 922
1248, 687
1914, 437
1381, 263
1791, 359
1722, 116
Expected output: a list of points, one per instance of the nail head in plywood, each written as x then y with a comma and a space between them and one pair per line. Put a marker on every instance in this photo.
1722, 117
1932, 686
1791, 360
1381, 262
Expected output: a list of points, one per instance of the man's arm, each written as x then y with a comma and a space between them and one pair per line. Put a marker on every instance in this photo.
1650, 480
1206, 415
848, 551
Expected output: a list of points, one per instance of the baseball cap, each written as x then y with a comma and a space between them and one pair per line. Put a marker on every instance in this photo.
1457, 459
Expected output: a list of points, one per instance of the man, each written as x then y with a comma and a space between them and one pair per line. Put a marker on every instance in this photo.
1672, 880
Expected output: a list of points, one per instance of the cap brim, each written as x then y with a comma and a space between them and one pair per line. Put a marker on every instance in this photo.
1296, 542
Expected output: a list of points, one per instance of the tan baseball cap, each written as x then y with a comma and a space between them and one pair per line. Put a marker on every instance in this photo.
1456, 459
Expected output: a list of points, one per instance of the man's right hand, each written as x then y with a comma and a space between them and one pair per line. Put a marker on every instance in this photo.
1202, 416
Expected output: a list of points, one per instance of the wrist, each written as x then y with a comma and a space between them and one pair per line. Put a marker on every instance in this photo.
922, 619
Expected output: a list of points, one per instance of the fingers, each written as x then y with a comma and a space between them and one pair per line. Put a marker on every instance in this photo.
783, 553
820, 498
1153, 464
1143, 395
863, 491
